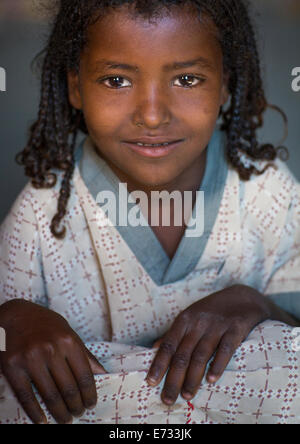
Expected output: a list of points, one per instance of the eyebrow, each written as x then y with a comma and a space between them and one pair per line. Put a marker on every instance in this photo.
200, 61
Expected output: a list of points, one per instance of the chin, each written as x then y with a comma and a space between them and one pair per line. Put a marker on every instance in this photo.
155, 176
153, 182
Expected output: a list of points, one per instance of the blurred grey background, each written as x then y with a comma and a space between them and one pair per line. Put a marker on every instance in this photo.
23, 34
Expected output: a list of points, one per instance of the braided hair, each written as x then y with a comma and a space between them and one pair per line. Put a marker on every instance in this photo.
52, 137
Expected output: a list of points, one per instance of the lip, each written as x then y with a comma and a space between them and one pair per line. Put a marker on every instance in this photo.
155, 151
152, 140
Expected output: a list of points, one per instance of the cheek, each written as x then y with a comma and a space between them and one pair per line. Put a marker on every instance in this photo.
102, 111
200, 111
98, 116
205, 100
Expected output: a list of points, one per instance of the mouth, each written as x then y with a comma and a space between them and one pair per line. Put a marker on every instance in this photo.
158, 149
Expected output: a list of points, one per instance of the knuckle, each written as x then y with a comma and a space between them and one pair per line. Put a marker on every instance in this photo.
238, 326
180, 360
199, 324
52, 398
25, 397
226, 348
199, 358
70, 392
50, 349
183, 317
86, 381
203, 320
171, 390
66, 340
34, 352
168, 348
10, 363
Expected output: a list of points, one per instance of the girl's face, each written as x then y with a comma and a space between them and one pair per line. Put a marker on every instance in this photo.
166, 76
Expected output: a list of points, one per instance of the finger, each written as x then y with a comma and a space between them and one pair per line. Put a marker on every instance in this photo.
21, 385
68, 388
81, 369
165, 353
96, 367
227, 347
178, 367
43, 381
201, 355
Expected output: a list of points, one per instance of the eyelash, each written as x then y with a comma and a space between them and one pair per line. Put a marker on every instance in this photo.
200, 80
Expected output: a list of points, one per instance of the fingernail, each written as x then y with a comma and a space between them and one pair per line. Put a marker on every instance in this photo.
92, 408
78, 415
187, 395
212, 378
152, 376
168, 401
151, 380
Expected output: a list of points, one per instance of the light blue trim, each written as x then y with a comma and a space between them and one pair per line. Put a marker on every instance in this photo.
289, 302
190, 249
98, 176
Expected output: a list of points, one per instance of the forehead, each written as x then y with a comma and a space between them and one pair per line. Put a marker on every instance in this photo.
175, 33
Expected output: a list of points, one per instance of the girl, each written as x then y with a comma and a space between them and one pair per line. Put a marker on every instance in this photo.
146, 82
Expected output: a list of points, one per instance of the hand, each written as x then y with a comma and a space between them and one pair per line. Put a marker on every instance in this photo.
216, 324
43, 349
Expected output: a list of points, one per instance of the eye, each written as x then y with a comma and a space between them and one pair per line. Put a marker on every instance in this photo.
114, 82
190, 80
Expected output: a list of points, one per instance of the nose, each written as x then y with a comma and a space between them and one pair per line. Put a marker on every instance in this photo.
152, 108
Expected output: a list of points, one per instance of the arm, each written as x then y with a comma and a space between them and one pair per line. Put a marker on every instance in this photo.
269, 309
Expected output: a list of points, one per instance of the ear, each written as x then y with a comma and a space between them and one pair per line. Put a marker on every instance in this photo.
74, 90
225, 88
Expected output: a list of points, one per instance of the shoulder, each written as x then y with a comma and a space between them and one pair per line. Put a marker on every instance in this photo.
268, 200
276, 185
32, 204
